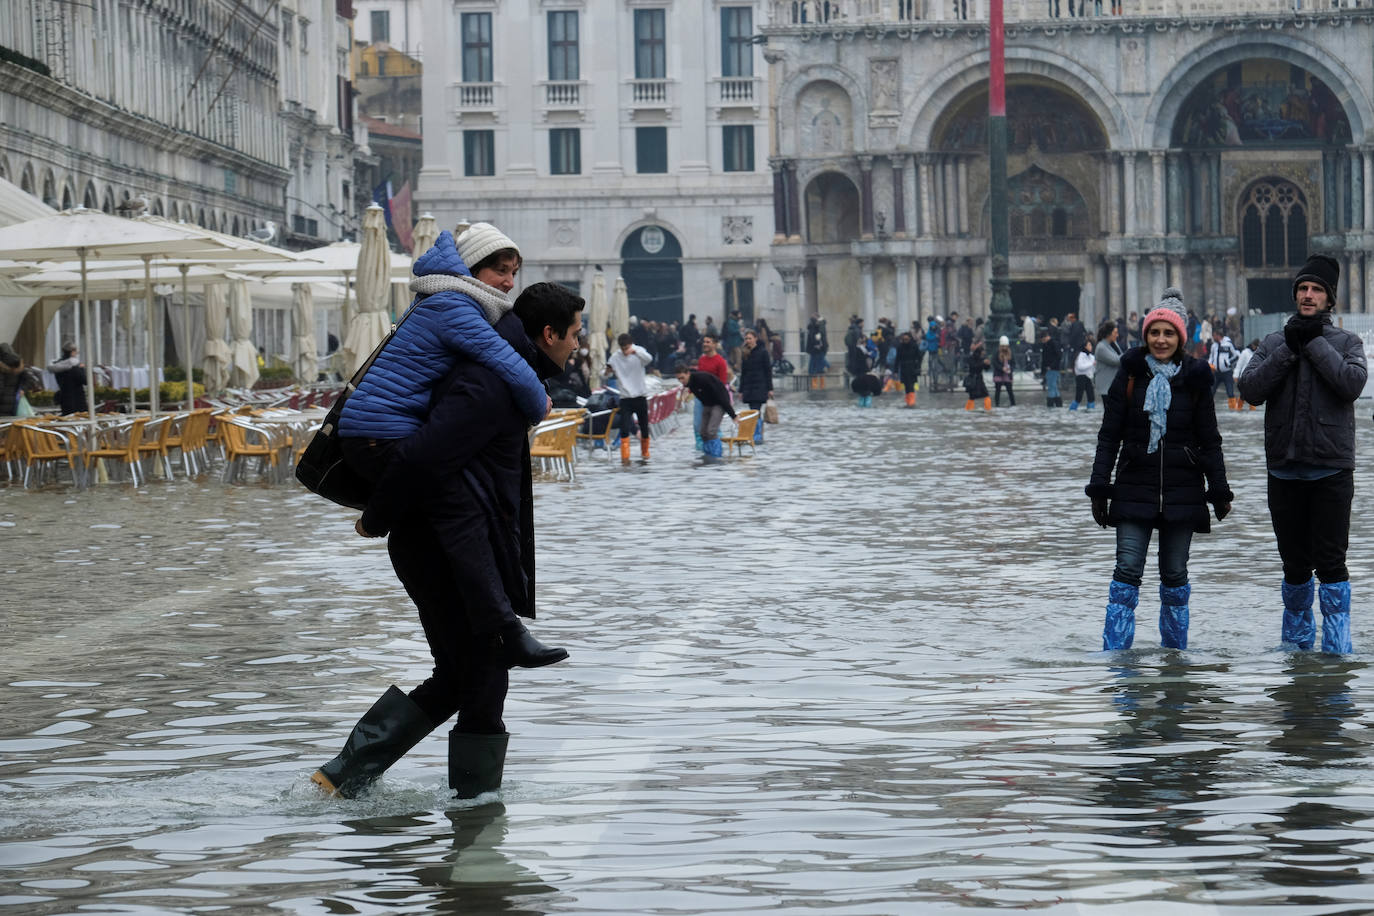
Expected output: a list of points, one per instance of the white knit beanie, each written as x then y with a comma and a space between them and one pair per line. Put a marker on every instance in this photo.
480, 240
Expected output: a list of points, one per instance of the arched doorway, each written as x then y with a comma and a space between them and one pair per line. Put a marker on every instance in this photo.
652, 267
832, 209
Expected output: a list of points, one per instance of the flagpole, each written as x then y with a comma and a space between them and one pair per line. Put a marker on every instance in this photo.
1000, 318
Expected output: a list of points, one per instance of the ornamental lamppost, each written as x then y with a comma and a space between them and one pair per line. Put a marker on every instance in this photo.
1000, 321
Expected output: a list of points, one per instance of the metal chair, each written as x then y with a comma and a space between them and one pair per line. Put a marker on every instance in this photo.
119, 443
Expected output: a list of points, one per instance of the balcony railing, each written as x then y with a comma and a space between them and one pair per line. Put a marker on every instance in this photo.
736, 90
650, 93
839, 13
564, 93
476, 96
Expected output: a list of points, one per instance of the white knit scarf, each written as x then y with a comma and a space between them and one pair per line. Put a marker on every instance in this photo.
493, 302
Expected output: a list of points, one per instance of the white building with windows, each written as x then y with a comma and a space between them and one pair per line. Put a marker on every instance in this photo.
630, 135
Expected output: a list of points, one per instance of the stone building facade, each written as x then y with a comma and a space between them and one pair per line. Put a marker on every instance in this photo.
227, 115
629, 135
1209, 145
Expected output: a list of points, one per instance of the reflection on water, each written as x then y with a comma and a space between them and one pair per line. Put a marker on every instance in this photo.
858, 673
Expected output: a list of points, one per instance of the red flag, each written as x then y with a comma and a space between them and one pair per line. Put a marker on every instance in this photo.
400, 216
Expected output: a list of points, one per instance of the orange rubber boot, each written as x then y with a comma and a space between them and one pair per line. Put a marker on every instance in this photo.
644, 448
624, 450
911, 399
987, 403
968, 405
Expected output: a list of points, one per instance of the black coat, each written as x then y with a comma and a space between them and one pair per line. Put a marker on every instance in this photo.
908, 360
755, 376
1169, 484
466, 472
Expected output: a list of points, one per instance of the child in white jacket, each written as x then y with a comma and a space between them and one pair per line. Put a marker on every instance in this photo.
1084, 365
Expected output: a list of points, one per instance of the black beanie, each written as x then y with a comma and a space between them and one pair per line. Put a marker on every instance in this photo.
1323, 269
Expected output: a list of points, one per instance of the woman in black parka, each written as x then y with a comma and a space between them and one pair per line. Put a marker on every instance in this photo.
1159, 415
755, 378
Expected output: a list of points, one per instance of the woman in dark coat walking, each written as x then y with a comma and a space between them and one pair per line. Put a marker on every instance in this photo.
1159, 416
974, 384
755, 378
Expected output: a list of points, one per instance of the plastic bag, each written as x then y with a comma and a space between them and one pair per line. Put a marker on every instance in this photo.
770, 411
23, 408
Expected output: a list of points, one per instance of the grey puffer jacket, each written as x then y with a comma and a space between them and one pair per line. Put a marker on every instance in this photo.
1310, 397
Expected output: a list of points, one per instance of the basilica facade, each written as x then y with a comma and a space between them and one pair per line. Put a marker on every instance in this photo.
1211, 150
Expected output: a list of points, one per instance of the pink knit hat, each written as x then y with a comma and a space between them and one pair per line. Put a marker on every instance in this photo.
1170, 309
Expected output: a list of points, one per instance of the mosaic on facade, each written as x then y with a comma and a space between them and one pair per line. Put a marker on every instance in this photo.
1037, 116
1261, 102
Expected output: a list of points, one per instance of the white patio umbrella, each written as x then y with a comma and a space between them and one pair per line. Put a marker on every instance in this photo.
218, 356
243, 355
620, 308
89, 235
305, 366
425, 234
598, 312
372, 323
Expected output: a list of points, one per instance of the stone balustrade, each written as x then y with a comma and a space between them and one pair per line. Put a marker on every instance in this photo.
842, 13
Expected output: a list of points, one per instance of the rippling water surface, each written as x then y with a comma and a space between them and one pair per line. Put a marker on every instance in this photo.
856, 674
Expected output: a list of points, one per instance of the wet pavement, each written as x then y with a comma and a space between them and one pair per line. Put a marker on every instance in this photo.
856, 674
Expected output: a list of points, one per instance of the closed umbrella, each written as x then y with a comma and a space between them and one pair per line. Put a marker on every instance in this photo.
303, 318
243, 355
425, 234
372, 323
598, 312
218, 356
620, 308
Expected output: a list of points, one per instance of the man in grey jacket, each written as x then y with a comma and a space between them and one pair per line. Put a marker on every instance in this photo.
1309, 375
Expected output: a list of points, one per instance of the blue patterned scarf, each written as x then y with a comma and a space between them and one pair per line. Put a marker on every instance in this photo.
1158, 397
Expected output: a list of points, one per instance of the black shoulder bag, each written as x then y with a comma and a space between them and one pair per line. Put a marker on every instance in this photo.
321, 468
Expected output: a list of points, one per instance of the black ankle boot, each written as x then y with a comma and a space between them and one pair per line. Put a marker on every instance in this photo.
382, 736
522, 650
475, 762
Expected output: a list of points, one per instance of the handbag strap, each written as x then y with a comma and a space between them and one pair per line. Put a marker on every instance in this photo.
331, 420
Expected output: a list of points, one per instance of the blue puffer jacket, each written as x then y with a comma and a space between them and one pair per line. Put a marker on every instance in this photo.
394, 397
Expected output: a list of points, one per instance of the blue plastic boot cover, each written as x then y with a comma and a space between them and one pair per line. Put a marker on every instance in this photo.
1335, 604
1173, 616
1119, 630
1299, 629
758, 433
713, 448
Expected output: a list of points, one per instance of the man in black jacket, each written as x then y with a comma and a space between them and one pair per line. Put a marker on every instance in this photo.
1310, 374
457, 501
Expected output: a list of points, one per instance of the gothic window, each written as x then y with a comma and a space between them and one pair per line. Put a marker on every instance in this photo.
1274, 225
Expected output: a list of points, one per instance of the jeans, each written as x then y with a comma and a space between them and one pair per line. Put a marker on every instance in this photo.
1227, 378
1051, 383
1132, 542
1312, 524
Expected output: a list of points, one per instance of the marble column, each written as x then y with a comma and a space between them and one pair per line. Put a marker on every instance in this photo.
779, 205
791, 313
903, 266
1130, 223
1356, 283
898, 161
927, 170
939, 301
1114, 194
1107, 306
869, 314
1116, 284
866, 198
1157, 181
925, 291
1368, 189
1133, 303
1159, 276
961, 190
1357, 217
1104, 193
1229, 296
794, 224
949, 174
1174, 181
1217, 224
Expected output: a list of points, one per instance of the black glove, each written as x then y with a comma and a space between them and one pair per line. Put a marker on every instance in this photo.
1223, 510
1300, 330
1100, 510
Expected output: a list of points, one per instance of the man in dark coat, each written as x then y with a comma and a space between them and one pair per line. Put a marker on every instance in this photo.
457, 500
1309, 375
70, 373
715, 402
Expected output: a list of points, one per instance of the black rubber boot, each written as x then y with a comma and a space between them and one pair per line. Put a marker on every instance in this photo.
522, 650
475, 762
382, 736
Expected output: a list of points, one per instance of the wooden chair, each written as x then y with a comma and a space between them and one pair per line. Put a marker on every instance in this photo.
11, 448
553, 444
43, 447
605, 437
242, 440
745, 424
118, 443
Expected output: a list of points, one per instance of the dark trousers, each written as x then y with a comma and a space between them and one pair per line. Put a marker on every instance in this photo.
1011, 398
470, 676
638, 408
1312, 524
1083, 389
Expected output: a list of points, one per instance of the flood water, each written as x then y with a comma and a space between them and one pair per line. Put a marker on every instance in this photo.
859, 673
